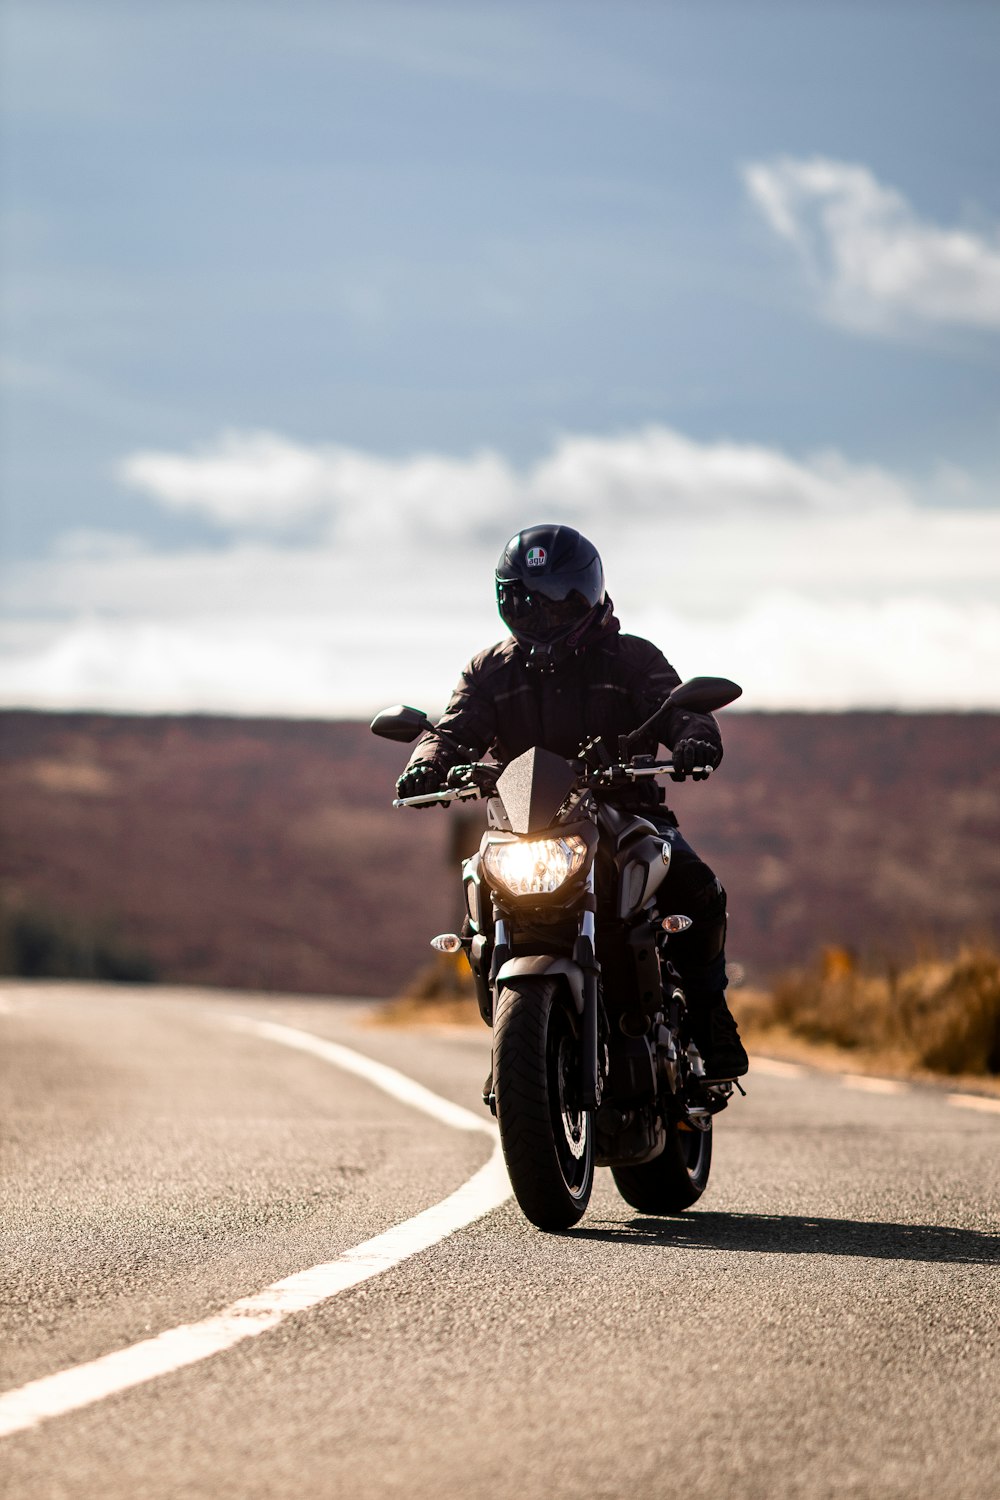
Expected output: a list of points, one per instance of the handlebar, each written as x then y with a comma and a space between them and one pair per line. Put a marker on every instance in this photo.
604, 777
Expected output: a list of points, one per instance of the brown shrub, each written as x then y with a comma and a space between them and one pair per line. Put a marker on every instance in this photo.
951, 1013
939, 1014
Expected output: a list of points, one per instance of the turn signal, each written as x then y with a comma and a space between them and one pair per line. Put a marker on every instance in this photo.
676, 924
447, 942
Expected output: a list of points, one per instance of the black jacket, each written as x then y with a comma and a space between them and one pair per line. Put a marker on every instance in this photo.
609, 687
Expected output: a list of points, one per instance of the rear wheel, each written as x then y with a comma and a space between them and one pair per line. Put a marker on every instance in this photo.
548, 1139
675, 1179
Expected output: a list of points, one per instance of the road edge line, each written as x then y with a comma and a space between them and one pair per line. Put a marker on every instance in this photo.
976, 1101
83, 1385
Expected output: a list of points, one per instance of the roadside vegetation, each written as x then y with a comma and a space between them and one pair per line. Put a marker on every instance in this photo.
441, 994
36, 943
936, 1015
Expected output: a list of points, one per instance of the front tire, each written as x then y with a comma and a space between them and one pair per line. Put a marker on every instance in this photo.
672, 1181
547, 1138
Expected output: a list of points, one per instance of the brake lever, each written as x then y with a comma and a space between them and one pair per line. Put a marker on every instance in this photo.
425, 800
450, 794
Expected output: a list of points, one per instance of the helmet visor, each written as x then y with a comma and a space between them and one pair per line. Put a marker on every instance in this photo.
532, 615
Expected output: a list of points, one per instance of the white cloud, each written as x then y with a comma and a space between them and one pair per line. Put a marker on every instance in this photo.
821, 582
720, 564
787, 651
661, 472
876, 262
909, 652
259, 482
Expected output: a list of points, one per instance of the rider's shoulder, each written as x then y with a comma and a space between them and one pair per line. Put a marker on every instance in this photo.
635, 649
493, 661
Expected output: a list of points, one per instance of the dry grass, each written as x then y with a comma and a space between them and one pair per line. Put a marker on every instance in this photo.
442, 994
939, 1016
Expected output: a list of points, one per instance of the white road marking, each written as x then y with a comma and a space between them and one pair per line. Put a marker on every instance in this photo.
772, 1067
406, 1090
82, 1385
975, 1101
872, 1085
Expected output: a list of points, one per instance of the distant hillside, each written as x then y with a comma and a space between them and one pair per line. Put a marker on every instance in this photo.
265, 853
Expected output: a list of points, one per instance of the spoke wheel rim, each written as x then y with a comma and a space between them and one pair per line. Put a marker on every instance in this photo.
571, 1124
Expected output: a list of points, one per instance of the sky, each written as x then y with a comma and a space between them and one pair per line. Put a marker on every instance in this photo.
307, 307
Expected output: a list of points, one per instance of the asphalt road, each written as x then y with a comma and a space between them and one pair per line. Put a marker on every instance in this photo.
825, 1323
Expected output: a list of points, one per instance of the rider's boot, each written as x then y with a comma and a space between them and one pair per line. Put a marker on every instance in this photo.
700, 955
717, 1037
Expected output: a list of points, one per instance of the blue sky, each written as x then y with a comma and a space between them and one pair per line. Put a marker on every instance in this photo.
307, 305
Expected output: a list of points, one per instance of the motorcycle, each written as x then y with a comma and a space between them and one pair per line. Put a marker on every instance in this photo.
593, 1060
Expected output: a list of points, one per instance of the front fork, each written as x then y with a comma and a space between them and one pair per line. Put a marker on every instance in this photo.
584, 953
585, 958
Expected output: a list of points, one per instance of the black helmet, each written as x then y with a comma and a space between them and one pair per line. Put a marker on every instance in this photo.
550, 587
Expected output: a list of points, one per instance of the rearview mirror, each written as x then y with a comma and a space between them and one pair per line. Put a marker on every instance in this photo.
702, 695
400, 723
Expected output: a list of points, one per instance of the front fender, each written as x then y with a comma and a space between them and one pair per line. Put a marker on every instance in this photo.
545, 963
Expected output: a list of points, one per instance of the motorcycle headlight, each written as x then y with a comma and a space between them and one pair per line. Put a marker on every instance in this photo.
535, 868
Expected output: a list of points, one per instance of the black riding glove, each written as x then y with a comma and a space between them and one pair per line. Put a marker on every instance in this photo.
687, 754
420, 780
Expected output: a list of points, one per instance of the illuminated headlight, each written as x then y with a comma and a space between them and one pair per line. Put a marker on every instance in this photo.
536, 868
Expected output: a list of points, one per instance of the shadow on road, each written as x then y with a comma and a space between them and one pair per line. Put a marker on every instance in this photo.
794, 1234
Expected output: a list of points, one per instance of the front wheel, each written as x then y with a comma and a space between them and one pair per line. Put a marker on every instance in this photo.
675, 1179
547, 1138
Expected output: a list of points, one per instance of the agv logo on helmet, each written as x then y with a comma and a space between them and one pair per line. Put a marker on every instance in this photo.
536, 557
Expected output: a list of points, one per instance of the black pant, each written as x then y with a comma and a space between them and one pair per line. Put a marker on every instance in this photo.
692, 890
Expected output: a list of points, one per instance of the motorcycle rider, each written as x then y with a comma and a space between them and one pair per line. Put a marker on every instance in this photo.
565, 674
